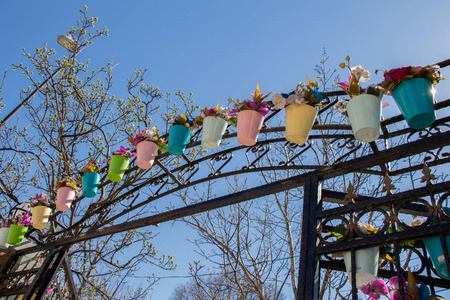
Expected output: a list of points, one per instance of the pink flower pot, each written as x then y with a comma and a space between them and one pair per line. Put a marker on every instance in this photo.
249, 123
146, 152
64, 198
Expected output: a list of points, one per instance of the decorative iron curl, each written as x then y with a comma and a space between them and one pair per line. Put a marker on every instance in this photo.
226, 157
260, 150
429, 131
323, 225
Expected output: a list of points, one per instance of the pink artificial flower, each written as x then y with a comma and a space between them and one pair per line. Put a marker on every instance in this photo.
374, 289
395, 293
397, 74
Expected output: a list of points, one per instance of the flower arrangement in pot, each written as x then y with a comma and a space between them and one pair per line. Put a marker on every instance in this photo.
250, 117
364, 108
413, 91
378, 288
366, 259
300, 110
90, 179
66, 193
214, 122
147, 143
180, 134
41, 207
18, 228
4, 232
118, 163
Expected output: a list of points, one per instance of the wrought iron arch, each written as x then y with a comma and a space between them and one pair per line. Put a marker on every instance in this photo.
173, 174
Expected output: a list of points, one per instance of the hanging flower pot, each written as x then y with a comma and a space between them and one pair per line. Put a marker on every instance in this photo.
364, 113
249, 123
366, 262
89, 184
415, 99
4, 232
16, 234
179, 137
64, 197
299, 121
40, 216
213, 130
147, 143
117, 167
146, 152
434, 249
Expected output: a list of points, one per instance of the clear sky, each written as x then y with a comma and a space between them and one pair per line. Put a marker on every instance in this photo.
221, 49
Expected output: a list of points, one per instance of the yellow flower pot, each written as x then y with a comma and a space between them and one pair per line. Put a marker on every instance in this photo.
299, 121
40, 216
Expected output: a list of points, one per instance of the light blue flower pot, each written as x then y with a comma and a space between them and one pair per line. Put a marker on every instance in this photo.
364, 113
213, 130
179, 137
414, 98
434, 249
90, 182
4, 232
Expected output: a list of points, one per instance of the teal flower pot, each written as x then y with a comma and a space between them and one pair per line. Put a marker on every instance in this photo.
90, 182
414, 98
434, 249
179, 137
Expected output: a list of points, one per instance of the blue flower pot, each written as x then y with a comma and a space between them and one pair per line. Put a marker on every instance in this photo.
414, 98
179, 137
90, 182
434, 249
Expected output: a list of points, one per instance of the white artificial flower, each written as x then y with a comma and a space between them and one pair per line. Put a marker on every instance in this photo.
361, 74
434, 69
366, 228
416, 222
292, 99
340, 106
278, 101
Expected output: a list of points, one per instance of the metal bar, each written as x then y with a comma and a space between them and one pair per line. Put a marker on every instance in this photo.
49, 269
308, 277
168, 172
406, 235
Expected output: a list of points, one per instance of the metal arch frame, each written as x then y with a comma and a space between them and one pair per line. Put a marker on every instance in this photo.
309, 260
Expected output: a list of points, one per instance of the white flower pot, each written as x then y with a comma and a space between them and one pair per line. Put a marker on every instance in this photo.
364, 112
213, 130
366, 261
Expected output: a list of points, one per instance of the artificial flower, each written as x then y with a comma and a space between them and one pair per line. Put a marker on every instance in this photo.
23, 220
394, 77
278, 101
352, 86
256, 104
124, 152
395, 293
219, 112
69, 182
92, 166
40, 200
374, 289
148, 135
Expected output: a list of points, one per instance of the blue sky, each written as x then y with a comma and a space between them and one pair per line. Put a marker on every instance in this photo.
221, 49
